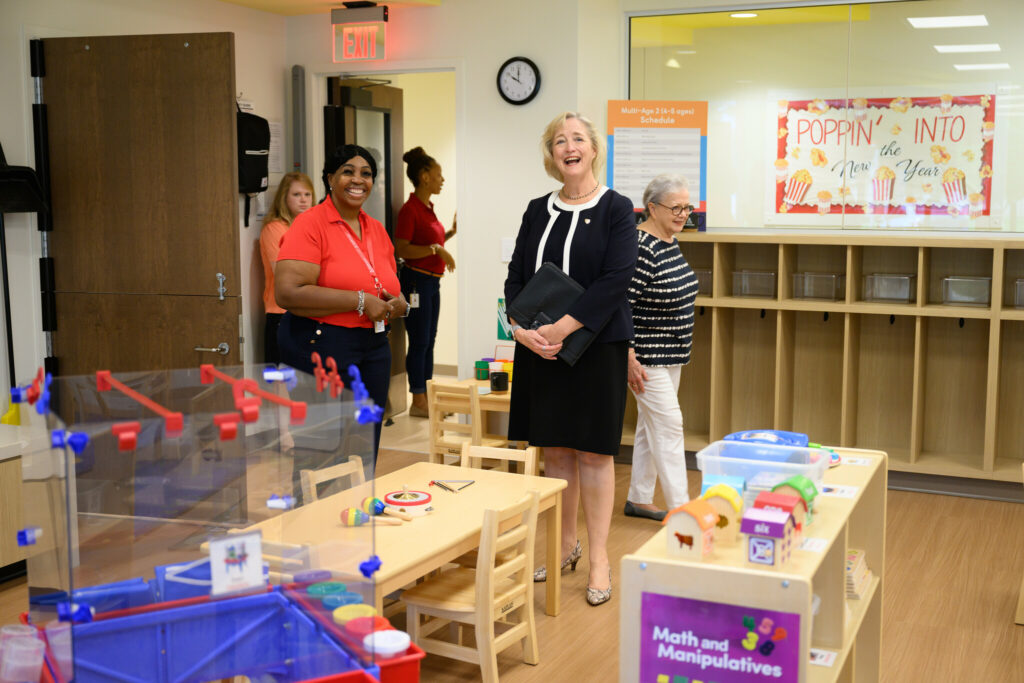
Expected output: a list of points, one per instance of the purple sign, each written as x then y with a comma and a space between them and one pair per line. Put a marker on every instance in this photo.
683, 640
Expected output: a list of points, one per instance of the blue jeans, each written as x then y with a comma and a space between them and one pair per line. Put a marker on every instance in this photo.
360, 346
422, 327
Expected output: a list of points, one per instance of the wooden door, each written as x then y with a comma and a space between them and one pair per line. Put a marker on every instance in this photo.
144, 179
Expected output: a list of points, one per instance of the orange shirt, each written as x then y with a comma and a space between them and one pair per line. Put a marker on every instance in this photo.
270, 243
318, 236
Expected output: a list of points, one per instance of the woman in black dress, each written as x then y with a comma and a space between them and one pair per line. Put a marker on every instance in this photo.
575, 413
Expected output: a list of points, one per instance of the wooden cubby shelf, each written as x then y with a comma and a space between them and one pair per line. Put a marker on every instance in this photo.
935, 385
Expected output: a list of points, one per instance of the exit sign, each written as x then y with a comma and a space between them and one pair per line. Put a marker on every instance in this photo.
360, 42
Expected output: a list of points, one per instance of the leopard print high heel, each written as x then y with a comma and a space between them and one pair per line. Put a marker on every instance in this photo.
541, 575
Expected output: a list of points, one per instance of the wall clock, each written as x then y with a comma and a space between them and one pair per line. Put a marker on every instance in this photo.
518, 80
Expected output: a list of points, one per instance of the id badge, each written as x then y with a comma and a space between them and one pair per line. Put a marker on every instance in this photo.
414, 300
378, 326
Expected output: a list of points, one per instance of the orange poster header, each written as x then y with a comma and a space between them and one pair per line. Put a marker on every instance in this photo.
657, 114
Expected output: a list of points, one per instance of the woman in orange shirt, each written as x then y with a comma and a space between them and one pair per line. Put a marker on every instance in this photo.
294, 195
336, 276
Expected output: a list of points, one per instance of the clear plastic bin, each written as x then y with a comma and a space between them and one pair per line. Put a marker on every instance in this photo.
754, 283
967, 291
890, 287
703, 281
1018, 294
763, 465
829, 286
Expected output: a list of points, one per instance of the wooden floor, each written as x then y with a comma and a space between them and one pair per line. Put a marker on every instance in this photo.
954, 569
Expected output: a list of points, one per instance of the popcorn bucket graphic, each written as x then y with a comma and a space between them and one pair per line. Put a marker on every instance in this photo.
987, 132
881, 190
796, 191
977, 205
956, 191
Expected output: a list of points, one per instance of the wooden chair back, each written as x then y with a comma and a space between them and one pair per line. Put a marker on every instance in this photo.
448, 435
310, 478
506, 555
472, 456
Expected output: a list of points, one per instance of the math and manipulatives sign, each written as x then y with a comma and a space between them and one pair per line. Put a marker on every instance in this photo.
683, 639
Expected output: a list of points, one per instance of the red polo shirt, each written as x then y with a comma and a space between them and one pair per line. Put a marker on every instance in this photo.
318, 236
418, 223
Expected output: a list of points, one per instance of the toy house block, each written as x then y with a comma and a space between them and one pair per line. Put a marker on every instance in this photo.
691, 529
769, 536
709, 480
794, 505
727, 503
799, 485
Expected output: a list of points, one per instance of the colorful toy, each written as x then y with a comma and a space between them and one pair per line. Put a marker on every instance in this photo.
769, 536
375, 506
729, 506
777, 437
709, 480
794, 505
347, 613
799, 485
356, 517
691, 529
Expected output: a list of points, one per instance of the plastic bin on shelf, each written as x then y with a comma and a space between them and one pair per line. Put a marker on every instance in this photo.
761, 465
196, 484
753, 283
703, 281
1018, 293
890, 287
967, 291
827, 286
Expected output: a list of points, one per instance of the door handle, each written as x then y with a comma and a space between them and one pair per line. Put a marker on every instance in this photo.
222, 348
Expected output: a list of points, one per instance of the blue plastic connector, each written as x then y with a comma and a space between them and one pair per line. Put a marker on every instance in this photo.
43, 404
28, 536
369, 567
19, 394
353, 372
58, 438
73, 612
273, 374
276, 502
78, 441
369, 414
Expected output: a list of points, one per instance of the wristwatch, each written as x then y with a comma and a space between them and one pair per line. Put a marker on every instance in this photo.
512, 331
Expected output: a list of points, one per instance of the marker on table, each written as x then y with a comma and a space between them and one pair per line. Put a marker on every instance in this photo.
440, 485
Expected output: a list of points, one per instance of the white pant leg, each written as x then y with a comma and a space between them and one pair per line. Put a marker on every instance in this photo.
660, 418
643, 474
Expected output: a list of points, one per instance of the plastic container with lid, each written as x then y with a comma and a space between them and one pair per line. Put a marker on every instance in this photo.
387, 644
763, 463
347, 613
360, 627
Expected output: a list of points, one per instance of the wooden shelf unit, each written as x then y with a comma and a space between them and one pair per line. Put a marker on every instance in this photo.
935, 385
852, 629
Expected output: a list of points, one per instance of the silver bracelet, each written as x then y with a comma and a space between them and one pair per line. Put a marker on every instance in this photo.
361, 303
408, 309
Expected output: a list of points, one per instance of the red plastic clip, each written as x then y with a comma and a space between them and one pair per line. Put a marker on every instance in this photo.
333, 378
127, 434
318, 372
36, 388
228, 423
250, 407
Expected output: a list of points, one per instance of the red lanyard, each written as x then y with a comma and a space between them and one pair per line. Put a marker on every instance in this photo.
366, 261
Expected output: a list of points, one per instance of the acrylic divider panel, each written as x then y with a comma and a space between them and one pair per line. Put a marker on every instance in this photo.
884, 379
188, 488
1009, 426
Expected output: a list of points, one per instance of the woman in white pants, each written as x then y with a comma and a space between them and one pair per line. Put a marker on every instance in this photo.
661, 295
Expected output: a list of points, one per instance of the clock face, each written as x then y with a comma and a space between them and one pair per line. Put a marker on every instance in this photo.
518, 80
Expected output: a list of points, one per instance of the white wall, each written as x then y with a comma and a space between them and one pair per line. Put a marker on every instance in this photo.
428, 101
261, 74
498, 167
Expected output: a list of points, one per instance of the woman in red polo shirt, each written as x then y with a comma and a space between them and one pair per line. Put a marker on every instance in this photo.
419, 239
336, 277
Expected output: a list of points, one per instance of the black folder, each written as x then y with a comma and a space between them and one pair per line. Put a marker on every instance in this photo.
545, 298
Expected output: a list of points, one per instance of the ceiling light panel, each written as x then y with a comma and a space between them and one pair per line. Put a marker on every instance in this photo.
965, 21
981, 67
980, 47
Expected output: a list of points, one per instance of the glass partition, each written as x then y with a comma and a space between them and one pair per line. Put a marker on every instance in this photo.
849, 116
173, 519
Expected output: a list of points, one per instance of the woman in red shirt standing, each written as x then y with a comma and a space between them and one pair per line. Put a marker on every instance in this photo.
337, 278
419, 239
294, 195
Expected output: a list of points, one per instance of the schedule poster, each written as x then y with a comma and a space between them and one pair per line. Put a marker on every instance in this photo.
647, 138
919, 157
684, 639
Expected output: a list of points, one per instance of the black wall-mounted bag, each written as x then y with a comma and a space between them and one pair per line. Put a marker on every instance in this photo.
253, 156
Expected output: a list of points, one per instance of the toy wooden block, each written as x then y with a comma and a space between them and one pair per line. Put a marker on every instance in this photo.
709, 480
691, 529
799, 485
769, 536
727, 503
794, 505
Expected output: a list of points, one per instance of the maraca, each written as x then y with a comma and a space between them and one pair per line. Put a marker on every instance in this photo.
376, 506
356, 517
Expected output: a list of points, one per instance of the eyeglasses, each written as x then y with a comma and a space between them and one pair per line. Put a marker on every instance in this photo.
678, 210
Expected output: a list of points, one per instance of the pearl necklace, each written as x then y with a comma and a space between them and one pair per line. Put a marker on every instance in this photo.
579, 196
